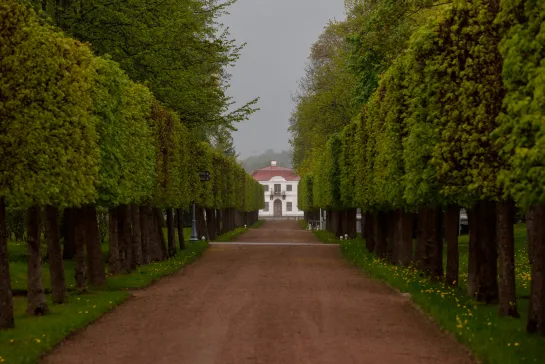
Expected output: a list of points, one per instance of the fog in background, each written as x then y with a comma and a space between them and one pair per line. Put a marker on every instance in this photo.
279, 34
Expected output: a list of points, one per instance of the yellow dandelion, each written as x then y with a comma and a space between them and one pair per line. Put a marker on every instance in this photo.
38, 340
516, 344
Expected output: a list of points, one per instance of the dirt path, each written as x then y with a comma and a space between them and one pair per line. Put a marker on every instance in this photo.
280, 231
264, 304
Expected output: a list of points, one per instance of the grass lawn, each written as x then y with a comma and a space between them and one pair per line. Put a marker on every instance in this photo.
34, 336
493, 339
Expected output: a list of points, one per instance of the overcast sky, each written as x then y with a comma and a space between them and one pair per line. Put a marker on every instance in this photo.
279, 34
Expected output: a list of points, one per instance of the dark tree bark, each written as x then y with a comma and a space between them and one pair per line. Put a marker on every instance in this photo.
536, 248
391, 235
113, 237
224, 219
171, 233
80, 255
155, 232
69, 233
125, 238
218, 222
472, 256
180, 221
380, 236
136, 235
422, 221
432, 259
145, 234
369, 231
54, 254
452, 225
404, 254
506, 249
6, 300
161, 236
211, 216
486, 258
95, 264
37, 304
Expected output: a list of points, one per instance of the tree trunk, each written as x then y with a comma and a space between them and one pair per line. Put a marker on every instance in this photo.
125, 238
95, 264
113, 238
211, 215
218, 222
6, 300
452, 225
422, 221
390, 235
180, 221
380, 236
160, 235
536, 315
404, 253
506, 249
37, 304
432, 260
136, 235
54, 254
472, 256
171, 233
81, 264
486, 258
145, 234
155, 232
369, 231
69, 233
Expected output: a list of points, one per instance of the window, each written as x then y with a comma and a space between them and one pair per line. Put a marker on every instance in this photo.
288, 188
276, 188
266, 188
288, 206
266, 208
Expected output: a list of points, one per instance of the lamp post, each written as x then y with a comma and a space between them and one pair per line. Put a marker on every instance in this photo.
194, 236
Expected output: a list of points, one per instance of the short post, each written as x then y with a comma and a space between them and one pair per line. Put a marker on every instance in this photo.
193, 237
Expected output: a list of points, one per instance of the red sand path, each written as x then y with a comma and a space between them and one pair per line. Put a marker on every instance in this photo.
264, 304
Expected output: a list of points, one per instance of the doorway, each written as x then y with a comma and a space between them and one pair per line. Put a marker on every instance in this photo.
277, 208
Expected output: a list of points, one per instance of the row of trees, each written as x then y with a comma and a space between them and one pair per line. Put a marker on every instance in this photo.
77, 134
455, 119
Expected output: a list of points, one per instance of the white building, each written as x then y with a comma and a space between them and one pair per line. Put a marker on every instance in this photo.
280, 191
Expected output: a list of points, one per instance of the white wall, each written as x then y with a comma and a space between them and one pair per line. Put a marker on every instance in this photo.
291, 196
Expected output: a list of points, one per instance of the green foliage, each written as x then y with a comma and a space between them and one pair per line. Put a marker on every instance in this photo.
420, 182
305, 193
521, 131
465, 70
171, 139
324, 101
326, 191
177, 48
127, 154
381, 31
48, 140
347, 165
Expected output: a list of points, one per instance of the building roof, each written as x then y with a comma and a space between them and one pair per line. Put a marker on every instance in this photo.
265, 174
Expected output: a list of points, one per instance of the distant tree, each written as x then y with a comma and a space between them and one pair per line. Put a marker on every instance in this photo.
254, 163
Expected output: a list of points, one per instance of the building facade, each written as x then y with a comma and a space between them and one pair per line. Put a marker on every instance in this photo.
280, 186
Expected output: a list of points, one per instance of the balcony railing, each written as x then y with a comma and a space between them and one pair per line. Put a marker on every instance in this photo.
277, 193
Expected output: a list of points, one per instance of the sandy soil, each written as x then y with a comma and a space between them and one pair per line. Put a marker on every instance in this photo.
264, 304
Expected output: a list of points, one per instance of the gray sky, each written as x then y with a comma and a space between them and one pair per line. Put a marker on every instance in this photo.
279, 34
